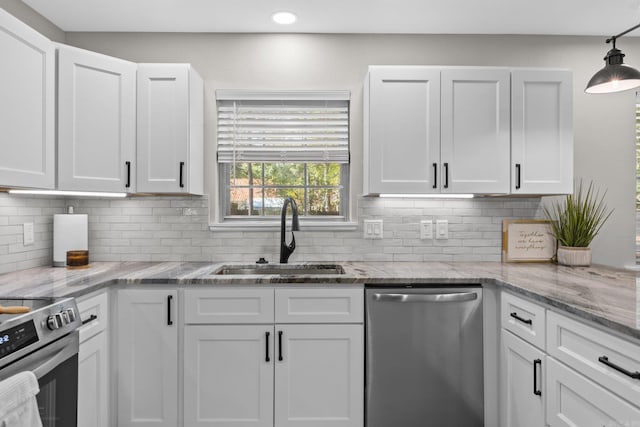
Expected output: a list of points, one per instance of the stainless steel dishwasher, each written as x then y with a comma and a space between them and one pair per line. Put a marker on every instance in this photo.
424, 364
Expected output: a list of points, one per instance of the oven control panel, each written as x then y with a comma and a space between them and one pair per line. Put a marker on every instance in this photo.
18, 337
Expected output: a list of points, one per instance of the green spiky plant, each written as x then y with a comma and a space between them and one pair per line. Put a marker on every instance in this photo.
577, 219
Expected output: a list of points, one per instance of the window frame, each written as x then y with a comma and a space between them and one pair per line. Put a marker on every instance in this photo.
272, 222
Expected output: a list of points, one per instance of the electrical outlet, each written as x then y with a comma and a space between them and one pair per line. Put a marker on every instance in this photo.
426, 229
373, 229
442, 229
27, 234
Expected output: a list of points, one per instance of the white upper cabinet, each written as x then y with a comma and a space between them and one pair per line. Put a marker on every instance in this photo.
475, 130
541, 131
170, 129
402, 130
480, 130
27, 106
96, 121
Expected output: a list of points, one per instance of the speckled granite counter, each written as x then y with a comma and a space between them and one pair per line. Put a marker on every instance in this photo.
607, 296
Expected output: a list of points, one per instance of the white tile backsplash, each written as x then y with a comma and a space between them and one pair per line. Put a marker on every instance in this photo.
177, 229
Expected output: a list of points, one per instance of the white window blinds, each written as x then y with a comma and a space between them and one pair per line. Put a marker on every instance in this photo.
310, 127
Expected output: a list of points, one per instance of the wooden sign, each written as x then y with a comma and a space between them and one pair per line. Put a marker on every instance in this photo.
527, 240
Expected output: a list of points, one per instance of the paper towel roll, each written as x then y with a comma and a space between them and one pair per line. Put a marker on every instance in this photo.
70, 232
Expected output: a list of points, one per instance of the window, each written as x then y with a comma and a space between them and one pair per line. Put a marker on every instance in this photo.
283, 144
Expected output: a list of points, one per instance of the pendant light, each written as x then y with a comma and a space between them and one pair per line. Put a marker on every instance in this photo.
615, 76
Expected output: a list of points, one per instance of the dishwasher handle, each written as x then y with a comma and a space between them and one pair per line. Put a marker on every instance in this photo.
448, 297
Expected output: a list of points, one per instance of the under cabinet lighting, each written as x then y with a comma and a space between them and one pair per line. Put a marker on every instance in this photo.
430, 196
68, 193
284, 18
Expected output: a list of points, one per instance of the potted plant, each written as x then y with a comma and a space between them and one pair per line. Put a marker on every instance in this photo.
575, 221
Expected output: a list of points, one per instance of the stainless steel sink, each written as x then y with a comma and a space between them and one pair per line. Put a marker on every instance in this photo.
280, 269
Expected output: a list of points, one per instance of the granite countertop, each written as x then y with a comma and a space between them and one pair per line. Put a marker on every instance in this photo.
607, 296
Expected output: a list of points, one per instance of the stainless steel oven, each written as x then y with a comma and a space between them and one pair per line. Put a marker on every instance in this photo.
45, 341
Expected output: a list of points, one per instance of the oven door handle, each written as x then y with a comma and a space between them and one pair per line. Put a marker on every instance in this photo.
53, 360
448, 297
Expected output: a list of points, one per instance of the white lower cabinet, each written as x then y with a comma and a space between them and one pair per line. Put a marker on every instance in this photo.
266, 374
573, 400
147, 358
228, 375
522, 383
93, 382
576, 374
93, 362
319, 376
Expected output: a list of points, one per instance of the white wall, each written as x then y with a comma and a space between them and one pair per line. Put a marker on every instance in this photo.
32, 18
604, 124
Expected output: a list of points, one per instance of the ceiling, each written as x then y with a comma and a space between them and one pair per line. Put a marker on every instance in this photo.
558, 17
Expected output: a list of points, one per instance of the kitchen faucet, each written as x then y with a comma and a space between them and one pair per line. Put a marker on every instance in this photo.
287, 249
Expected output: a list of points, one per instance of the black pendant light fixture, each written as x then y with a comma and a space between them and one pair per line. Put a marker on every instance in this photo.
615, 76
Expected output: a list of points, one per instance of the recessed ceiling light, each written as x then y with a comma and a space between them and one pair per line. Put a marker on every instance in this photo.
284, 18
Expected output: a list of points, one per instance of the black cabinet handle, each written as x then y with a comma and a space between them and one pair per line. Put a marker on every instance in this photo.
446, 175
128, 184
181, 170
527, 321
605, 360
89, 319
266, 348
517, 176
280, 358
536, 391
435, 175
169, 321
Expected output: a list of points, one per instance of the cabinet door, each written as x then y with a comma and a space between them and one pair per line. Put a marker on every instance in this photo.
163, 127
541, 132
319, 376
573, 400
475, 139
402, 150
147, 357
228, 375
522, 377
93, 382
27, 106
96, 121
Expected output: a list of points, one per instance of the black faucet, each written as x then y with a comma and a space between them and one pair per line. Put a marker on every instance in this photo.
287, 250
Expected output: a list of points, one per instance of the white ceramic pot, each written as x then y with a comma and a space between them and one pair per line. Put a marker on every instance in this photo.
568, 255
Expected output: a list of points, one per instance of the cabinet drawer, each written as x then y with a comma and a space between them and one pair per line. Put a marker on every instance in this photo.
573, 400
582, 346
524, 318
210, 306
94, 314
319, 305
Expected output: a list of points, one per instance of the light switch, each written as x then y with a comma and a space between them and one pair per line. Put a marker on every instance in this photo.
373, 229
426, 229
27, 234
442, 229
